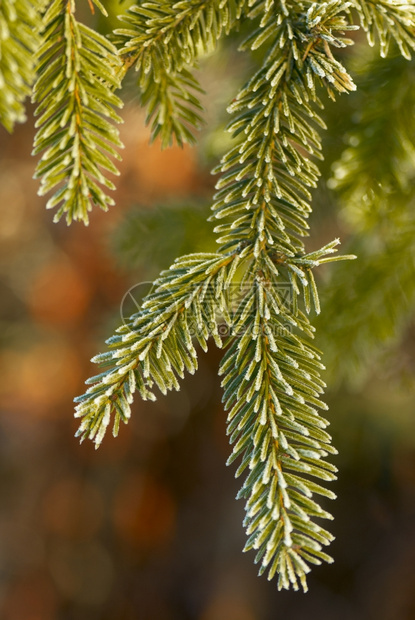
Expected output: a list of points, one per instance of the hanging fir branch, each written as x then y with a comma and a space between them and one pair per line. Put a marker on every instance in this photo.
271, 372
272, 381
20, 23
162, 40
260, 284
387, 21
154, 347
78, 70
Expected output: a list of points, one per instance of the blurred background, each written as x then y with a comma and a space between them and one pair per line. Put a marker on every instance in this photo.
147, 527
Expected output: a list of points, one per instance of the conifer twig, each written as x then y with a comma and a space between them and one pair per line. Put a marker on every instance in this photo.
78, 70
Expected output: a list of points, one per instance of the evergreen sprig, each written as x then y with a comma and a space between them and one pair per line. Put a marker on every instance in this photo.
388, 21
164, 39
271, 372
272, 387
78, 70
154, 346
19, 39
264, 188
255, 294
272, 377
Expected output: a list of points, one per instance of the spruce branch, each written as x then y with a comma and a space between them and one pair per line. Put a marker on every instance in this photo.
164, 39
272, 381
272, 387
260, 283
78, 70
271, 371
388, 21
264, 190
154, 347
20, 23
